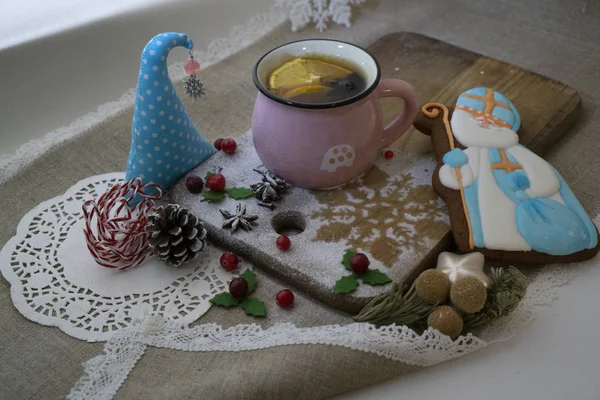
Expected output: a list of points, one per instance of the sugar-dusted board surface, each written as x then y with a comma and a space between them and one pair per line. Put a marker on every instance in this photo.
392, 214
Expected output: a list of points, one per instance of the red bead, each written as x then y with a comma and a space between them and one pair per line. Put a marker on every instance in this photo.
194, 184
216, 182
283, 242
285, 298
228, 146
192, 67
218, 143
229, 261
388, 155
359, 263
238, 287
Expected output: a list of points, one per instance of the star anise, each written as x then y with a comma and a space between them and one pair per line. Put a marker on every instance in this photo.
239, 219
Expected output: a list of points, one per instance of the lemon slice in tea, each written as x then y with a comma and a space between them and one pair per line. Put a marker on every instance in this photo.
302, 71
304, 89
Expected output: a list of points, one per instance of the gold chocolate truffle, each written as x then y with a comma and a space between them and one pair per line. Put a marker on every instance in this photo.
432, 286
468, 294
446, 320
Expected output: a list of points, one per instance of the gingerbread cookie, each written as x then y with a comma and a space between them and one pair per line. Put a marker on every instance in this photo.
504, 200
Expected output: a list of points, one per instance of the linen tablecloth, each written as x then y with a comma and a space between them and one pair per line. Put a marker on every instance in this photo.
555, 38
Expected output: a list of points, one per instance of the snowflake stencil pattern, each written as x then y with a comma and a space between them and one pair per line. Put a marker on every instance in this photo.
383, 214
320, 12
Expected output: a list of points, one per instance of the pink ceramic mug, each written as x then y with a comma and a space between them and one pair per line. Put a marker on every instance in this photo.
318, 146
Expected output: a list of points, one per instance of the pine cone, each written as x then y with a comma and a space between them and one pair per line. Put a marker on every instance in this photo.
176, 235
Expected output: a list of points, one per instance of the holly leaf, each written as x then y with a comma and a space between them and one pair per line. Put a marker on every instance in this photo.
346, 284
239, 193
214, 197
208, 174
254, 307
346, 259
224, 299
249, 276
374, 277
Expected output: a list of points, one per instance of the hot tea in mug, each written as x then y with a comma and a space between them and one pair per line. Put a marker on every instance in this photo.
316, 79
317, 121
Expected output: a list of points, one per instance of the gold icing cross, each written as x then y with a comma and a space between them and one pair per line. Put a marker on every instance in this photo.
490, 103
489, 100
505, 164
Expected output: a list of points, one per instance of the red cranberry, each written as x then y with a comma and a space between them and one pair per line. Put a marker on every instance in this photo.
216, 182
218, 143
194, 184
228, 146
283, 242
359, 263
285, 298
229, 261
388, 155
238, 287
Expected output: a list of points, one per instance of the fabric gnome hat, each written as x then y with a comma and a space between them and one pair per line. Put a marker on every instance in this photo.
165, 145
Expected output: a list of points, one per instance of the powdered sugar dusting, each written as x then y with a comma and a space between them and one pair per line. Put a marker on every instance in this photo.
310, 254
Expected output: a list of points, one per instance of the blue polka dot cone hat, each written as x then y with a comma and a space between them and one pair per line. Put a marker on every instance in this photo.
165, 144
482, 101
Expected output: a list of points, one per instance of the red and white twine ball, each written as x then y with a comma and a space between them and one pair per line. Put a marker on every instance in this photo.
115, 222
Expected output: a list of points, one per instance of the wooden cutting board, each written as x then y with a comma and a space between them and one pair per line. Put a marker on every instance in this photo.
392, 213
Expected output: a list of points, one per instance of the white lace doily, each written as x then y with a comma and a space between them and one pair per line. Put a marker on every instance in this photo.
55, 281
104, 374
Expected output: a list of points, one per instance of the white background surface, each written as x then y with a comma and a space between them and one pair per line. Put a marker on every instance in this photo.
558, 357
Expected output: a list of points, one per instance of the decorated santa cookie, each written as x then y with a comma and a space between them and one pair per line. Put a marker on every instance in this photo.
503, 199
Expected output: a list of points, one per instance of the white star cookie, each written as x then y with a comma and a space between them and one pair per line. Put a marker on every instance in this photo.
457, 266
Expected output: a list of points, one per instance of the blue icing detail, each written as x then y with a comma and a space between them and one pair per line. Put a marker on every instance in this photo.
472, 103
504, 185
510, 157
165, 144
504, 115
455, 158
513, 118
517, 181
472, 200
521, 195
546, 225
495, 156
517, 121
577, 208
549, 227
478, 91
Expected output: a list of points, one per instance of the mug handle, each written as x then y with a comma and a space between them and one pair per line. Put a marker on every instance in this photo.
404, 119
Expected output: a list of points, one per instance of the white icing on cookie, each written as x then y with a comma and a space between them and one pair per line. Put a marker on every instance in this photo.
542, 178
449, 179
496, 211
470, 134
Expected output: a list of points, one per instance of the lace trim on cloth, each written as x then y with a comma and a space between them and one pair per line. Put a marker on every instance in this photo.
104, 374
241, 37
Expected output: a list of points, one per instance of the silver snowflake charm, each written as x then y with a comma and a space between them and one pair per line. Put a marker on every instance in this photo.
193, 87
302, 12
239, 219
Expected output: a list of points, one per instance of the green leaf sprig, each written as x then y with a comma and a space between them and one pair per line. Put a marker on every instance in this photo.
236, 193
251, 306
349, 283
